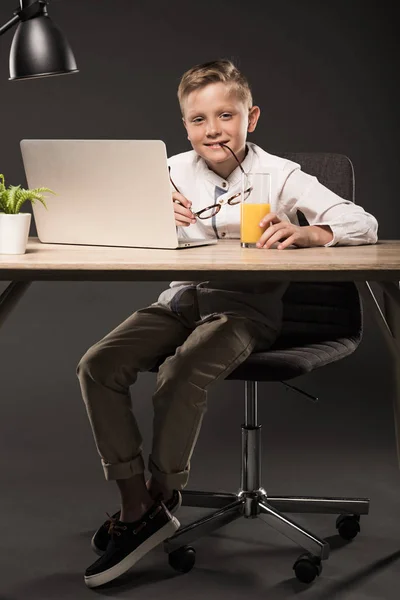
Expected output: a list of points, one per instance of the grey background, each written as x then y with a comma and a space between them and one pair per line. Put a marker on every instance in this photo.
324, 74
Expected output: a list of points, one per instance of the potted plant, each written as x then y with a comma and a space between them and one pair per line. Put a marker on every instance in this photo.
14, 225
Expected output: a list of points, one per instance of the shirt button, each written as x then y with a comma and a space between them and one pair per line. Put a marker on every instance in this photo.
223, 234
224, 184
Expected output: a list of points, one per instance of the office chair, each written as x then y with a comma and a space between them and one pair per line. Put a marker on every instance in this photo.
322, 323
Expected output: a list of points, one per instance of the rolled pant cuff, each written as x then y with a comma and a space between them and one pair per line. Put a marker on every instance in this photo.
172, 481
123, 470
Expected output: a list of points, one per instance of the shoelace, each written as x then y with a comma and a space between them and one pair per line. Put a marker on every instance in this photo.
116, 527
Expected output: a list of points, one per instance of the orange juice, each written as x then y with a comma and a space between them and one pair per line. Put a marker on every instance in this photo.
251, 215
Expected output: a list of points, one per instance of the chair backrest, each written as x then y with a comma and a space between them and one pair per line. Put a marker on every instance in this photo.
335, 171
320, 312
315, 312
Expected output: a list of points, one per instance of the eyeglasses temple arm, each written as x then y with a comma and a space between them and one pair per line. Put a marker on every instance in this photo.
234, 156
170, 178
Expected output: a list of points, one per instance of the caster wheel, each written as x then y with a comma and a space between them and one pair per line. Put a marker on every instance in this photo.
307, 567
183, 559
348, 526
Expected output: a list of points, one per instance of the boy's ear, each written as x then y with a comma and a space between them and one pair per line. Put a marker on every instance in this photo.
254, 115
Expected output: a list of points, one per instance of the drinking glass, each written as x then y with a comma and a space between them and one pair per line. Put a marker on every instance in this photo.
254, 207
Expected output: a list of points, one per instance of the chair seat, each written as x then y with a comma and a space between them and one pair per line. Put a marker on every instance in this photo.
276, 365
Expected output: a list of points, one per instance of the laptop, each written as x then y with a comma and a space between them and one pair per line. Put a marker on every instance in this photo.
109, 193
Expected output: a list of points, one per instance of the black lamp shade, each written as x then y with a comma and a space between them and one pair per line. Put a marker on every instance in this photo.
39, 49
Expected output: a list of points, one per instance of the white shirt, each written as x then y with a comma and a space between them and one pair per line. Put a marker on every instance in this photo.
291, 190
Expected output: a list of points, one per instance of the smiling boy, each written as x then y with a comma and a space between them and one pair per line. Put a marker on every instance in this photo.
205, 329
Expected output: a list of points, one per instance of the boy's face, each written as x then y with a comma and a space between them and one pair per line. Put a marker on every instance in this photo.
214, 114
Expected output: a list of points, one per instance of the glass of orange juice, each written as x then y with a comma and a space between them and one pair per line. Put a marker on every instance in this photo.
255, 204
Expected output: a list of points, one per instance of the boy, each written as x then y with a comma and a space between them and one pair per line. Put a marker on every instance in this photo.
206, 329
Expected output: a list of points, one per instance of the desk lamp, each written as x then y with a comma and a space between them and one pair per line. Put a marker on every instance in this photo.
38, 49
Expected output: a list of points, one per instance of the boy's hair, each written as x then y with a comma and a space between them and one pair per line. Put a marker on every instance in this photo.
217, 71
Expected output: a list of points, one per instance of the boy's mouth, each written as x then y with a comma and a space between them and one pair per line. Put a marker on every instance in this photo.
215, 145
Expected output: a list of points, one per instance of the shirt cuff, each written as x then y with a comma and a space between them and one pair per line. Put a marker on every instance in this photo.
335, 232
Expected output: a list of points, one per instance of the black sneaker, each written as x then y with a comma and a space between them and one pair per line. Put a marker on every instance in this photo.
102, 536
130, 542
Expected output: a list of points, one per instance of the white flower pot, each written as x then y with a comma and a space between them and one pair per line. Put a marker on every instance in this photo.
14, 232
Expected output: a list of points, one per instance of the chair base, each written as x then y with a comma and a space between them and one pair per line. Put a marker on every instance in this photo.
256, 504
252, 502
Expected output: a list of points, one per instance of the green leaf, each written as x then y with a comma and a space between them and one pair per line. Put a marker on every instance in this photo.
12, 199
29, 195
41, 190
3, 201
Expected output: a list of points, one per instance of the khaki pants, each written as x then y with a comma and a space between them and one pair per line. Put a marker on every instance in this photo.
199, 354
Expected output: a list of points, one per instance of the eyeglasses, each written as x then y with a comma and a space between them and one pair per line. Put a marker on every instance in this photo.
211, 211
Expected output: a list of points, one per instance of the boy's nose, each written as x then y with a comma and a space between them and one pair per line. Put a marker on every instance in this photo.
212, 129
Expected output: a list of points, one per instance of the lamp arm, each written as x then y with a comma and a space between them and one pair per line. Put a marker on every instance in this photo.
10, 24
28, 12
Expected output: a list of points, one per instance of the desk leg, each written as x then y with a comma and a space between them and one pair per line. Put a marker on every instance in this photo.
391, 299
388, 320
10, 297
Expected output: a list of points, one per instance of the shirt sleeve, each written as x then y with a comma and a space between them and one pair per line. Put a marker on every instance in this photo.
350, 224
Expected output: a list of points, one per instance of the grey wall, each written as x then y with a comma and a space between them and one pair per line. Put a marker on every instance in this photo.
324, 75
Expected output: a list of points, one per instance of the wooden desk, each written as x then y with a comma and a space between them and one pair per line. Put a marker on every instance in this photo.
378, 263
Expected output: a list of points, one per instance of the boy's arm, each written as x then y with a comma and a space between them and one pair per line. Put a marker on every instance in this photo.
332, 220
320, 235
285, 233
349, 223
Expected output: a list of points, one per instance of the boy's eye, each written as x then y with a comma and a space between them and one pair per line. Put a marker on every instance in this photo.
224, 115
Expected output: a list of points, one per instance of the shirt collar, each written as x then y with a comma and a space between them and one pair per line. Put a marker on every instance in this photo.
234, 178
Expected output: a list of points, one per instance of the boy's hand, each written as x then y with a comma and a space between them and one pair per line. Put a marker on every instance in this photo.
183, 215
287, 234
